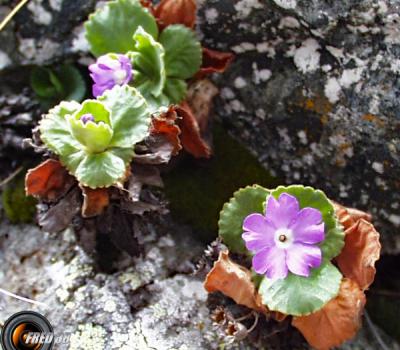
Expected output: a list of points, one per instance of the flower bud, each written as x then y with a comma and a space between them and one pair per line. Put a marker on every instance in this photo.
110, 70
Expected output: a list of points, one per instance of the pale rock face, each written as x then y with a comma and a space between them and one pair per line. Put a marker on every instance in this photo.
319, 71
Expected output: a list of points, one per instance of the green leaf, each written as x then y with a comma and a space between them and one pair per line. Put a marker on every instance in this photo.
130, 116
176, 90
299, 296
42, 84
111, 28
53, 85
74, 85
183, 54
244, 202
309, 197
103, 169
148, 64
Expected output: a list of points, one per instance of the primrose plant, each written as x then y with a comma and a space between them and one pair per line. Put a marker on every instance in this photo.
125, 38
302, 266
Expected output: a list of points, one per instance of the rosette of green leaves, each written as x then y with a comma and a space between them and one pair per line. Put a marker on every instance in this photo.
162, 62
294, 295
98, 152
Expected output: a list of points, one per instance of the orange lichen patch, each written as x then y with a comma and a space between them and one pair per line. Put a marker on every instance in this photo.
361, 251
337, 321
318, 104
94, 201
373, 119
48, 181
214, 62
165, 124
191, 138
169, 12
235, 282
199, 97
349, 216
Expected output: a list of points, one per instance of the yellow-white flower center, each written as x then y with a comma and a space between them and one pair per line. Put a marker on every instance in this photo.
283, 238
120, 76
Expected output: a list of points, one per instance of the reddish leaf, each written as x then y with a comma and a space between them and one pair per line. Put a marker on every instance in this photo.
169, 12
147, 4
94, 201
48, 181
349, 216
199, 98
165, 124
235, 282
360, 252
337, 321
191, 138
214, 62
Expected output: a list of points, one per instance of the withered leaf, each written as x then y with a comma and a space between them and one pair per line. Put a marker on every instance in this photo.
59, 216
199, 98
169, 12
234, 281
349, 216
48, 181
361, 250
214, 62
119, 227
94, 201
165, 125
191, 138
158, 150
143, 175
337, 321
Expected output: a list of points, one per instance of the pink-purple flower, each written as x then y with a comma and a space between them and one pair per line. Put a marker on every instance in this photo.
87, 118
285, 238
108, 71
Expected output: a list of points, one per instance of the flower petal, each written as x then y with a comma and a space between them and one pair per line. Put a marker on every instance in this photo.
259, 232
301, 257
307, 226
281, 212
272, 262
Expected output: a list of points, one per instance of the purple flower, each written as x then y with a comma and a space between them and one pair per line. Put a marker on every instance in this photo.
87, 118
285, 238
108, 71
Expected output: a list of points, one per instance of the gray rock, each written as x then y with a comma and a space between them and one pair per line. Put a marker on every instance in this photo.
314, 93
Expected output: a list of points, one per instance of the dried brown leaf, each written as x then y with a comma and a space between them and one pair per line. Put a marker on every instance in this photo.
199, 98
361, 250
349, 216
48, 181
337, 321
214, 62
191, 138
94, 201
169, 12
164, 124
234, 281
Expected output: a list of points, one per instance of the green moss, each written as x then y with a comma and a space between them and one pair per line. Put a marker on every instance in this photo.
197, 189
18, 207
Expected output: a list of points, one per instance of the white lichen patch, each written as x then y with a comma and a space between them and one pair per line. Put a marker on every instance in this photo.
56, 5
392, 29
88, 337
306, 57
239, 83
211, 15
350, 77
332, 90
38, 52
378, 167
286, 4
289, 22
4, 60
79, 43
260, 75
245, 7
244, 47
39, 14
